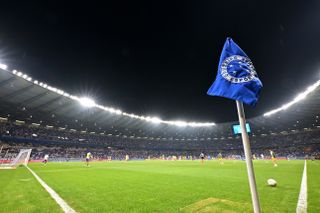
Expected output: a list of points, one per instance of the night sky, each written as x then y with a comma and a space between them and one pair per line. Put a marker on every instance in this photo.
159, 59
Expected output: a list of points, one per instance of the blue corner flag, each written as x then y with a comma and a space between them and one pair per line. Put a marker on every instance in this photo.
236, 78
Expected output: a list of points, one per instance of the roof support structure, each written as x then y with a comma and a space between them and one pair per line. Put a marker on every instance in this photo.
47, 103
63, 106
34, 98
17, 92
8, 81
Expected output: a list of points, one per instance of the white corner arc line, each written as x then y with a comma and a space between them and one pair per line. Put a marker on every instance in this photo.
65, 207
302, 201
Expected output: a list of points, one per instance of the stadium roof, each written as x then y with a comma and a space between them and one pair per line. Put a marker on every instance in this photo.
29, 99
20, 88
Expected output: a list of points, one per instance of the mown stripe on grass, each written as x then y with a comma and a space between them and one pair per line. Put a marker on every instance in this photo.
313, 186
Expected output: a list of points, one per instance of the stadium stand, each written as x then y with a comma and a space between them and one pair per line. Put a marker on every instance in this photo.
48, 120
66, 144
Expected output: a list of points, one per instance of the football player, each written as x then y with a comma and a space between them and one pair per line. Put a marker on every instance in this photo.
45, 159
273, 158
202, 157
220, 158
88, 157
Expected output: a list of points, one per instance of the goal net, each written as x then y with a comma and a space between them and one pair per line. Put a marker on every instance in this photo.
21, 159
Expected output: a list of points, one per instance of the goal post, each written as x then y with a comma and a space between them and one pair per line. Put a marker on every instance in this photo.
21, 159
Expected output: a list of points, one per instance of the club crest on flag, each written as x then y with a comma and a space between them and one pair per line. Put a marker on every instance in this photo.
238, 69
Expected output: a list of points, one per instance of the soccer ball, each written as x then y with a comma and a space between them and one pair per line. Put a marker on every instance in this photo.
272, 182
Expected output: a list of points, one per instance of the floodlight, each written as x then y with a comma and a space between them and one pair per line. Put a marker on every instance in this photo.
297, 99
3, 66
300, 97
66, 94
180, 123
86, 102
100, 107
155, 120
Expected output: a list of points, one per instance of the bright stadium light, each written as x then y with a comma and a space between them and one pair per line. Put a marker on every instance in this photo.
60, 92
3, 66
87, 102
74, 97
66, 95
118, 112
112, 110
155, 120
297, 99
180, 123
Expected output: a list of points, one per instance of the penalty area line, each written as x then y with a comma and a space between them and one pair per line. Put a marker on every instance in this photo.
302, 201
65, 207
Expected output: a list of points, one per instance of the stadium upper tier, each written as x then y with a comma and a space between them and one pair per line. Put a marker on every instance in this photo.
36, 103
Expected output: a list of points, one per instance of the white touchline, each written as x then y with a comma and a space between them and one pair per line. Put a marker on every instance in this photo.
65, 207
302, 201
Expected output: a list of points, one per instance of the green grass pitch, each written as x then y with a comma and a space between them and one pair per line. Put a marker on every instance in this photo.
158, 186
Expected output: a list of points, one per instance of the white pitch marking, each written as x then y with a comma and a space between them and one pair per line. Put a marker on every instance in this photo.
302, 201
65, 207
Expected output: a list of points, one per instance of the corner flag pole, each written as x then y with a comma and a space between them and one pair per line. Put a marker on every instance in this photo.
247, 153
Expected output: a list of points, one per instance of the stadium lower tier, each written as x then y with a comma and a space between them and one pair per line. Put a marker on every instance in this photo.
66, 144
65, 152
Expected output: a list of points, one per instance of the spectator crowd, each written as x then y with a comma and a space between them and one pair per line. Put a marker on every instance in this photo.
66, 144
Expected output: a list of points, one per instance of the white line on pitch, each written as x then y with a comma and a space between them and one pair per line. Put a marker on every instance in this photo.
65, 207
302, 201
